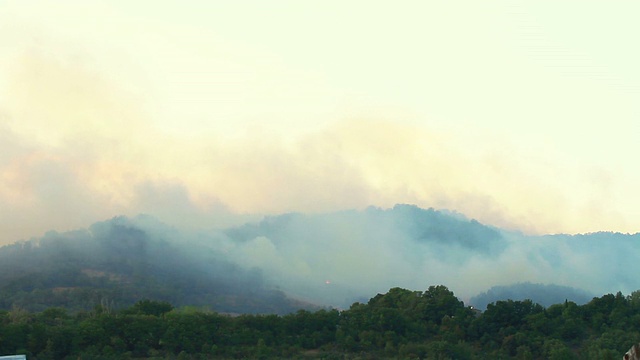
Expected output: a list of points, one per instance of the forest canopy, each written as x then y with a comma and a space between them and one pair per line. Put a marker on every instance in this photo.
431, 324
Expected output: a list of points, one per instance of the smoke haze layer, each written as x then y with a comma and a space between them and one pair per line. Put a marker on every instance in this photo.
520, 116
330, 256
336, 258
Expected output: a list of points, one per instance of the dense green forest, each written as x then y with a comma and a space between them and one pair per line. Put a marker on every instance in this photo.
401, 324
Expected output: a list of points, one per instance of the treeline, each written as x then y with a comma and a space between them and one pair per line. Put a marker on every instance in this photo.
400, 324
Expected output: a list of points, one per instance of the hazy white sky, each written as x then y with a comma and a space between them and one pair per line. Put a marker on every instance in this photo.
520, 114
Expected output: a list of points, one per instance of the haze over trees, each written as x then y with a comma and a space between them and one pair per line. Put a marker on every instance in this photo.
138, 288
293, 261
545, 295
117, 263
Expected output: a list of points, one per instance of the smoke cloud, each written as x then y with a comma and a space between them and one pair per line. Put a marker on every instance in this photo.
81, 141
337, 258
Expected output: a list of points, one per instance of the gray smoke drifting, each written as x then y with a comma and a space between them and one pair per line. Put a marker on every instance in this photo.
337, 258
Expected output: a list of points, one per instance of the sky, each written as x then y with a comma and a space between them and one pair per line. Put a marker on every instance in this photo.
522, 115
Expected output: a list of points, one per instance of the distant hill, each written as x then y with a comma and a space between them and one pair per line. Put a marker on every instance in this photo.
121, 261
289, 261
340, 257
426, 226
545, 295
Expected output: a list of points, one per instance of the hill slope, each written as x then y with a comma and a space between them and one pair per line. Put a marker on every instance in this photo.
121, 261
328, 259
545, 295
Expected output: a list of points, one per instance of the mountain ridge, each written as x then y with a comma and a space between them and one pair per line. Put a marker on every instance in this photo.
292, 260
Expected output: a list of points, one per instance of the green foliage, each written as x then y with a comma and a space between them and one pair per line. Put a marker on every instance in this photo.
405, 324
149, 307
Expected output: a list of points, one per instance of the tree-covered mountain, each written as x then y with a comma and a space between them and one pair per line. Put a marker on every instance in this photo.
361, 252
283, 262
545, 295
426, 226
118, 262
337, 258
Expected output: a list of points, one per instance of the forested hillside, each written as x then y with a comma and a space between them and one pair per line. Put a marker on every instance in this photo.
401, 324
291, 261
118, 262
545, 295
